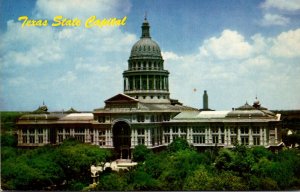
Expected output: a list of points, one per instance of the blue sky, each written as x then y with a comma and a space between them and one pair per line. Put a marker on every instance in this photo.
236, 50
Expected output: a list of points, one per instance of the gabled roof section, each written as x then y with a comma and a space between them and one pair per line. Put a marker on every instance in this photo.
121, 98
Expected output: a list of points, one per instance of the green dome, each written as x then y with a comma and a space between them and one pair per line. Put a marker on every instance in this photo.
145, 47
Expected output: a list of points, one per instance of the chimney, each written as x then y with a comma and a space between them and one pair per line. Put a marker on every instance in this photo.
205, 100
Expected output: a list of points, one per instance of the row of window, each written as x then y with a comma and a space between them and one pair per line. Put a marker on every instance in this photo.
146, 65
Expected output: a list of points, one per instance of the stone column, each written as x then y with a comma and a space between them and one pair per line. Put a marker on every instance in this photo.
132, 137
276, 136
149, 137
154, 82
171, 135
147, 82
163, 136
206, 135
229, 136
250, 136
225, 136
219, 135
110, 137
133, 82
209, 135
141, 80
239, 134
265, 136
188, 134
86, 135
46, 136
261, 141
72, 132
167, 83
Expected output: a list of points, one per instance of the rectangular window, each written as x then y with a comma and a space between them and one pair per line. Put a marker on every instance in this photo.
244, 130
245, 140
24, 131
175, 129
102, 132
222, 139
140, 118
167, 130
141, 131
80, 138
198, 130
198, 139
24, 139
101, 119
215, 139
255, 130
31, 131
40, 130
256, 141
167, 138
183, 130
60, 138
233, 130
141, 140
40, 139
31, 139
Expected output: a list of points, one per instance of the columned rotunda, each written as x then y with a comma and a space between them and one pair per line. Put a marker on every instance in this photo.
146, 79
145, 114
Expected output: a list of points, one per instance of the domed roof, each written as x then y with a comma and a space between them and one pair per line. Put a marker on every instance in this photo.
145, 47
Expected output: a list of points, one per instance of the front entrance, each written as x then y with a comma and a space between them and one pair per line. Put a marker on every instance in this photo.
122, 139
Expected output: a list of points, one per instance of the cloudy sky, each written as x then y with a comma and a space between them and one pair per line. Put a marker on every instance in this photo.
236, 50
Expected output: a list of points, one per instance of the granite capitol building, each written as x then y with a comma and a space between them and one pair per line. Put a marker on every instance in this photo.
145, 114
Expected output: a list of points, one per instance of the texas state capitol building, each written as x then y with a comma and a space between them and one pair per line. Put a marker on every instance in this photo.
145, 114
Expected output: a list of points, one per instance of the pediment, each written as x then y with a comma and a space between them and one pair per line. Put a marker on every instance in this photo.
121, 98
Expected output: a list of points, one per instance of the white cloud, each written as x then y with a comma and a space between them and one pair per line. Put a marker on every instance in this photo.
285, 5
232, 81
230, 45
170, 56
81, 9
287, 44
274, 19
67, 63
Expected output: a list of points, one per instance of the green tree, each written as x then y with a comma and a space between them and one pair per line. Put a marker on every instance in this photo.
112, 182
140, 153
141, 180
179, 144
224, 159
198, 180
227, 180
75, 159
178, 166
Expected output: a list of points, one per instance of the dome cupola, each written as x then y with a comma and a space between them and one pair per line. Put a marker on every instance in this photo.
145, 47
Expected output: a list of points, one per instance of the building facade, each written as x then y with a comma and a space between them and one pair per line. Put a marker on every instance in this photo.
145, 114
